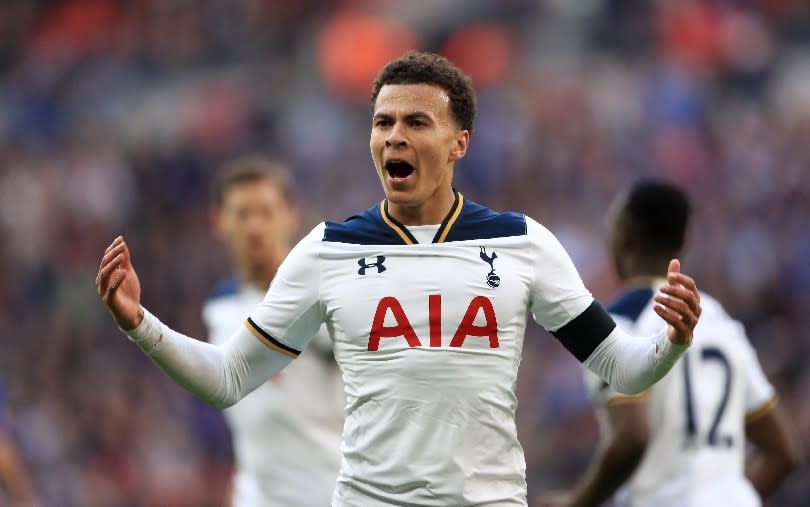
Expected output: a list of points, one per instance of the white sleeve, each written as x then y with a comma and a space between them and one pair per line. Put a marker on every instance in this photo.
562, 304
632, 364
558, 294
218, 375
275, 333
292, 313
759, 393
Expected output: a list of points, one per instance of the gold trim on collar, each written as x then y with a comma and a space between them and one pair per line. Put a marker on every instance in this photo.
453, 217
402, 234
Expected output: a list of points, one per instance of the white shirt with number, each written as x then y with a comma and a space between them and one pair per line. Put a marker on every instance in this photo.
286, 433
697, 412
428, 326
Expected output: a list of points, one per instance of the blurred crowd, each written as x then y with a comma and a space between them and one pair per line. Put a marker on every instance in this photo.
113, 115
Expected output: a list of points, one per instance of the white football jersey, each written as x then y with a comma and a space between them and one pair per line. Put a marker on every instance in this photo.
286, 433
428, 335
697, 412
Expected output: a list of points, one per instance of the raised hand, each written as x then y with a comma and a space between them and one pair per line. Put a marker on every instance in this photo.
679, 305
118, 286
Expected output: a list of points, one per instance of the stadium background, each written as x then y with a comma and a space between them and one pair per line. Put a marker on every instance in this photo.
113, 115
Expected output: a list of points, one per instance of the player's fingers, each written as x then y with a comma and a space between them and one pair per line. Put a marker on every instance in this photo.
673, 319
674, 304
115, 242
102, 279
126, 259
113, 287
112, 254
680, 292
679, 307
682, 279
690, 296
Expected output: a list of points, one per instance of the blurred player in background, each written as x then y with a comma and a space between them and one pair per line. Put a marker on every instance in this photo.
15, 486
683, 442
286, 433
426, 296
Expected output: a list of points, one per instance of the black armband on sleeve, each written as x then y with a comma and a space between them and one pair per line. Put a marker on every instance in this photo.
586, 331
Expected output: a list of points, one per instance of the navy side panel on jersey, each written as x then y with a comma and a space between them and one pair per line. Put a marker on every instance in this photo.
375, 226
630, 304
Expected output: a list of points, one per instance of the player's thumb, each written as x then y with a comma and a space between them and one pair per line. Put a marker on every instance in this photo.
674, 266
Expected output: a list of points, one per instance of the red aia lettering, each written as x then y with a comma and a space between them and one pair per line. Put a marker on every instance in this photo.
435, 319
404, 328
468, 328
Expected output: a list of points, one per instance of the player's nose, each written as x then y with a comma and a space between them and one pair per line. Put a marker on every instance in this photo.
396, 139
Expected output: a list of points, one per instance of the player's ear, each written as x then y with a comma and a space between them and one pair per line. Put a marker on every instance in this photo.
459, 149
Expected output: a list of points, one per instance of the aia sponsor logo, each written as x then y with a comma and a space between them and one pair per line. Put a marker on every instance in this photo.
404, 329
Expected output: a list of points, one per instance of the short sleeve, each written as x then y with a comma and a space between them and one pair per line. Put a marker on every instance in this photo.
291, 313
759, 393
558, 294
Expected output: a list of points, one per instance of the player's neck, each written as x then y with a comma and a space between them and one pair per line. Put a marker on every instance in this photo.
431, 212
260, 275
644, 273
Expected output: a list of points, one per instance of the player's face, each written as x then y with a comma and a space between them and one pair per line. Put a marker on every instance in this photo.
414, 143
256, 222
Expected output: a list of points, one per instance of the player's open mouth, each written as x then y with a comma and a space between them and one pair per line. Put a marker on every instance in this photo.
398, 169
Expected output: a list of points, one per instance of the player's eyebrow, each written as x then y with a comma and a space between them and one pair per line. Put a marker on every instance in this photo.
415, 115
418, 115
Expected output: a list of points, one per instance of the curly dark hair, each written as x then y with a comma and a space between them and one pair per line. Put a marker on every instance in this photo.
416, 67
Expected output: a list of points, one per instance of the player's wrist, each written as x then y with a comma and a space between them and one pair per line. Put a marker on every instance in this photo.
148, 333
668, 349
677, 338
127, 325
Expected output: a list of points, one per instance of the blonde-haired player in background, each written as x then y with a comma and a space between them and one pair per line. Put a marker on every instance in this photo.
286, 434
683, 442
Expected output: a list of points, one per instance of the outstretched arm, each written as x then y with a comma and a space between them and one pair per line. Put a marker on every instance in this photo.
219, 375
631, 364
562, 304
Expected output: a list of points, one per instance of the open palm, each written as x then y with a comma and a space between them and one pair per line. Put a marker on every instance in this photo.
118, 286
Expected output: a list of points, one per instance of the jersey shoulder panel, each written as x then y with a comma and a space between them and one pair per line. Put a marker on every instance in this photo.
365, 228
544, 241
631, 303
479, 222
